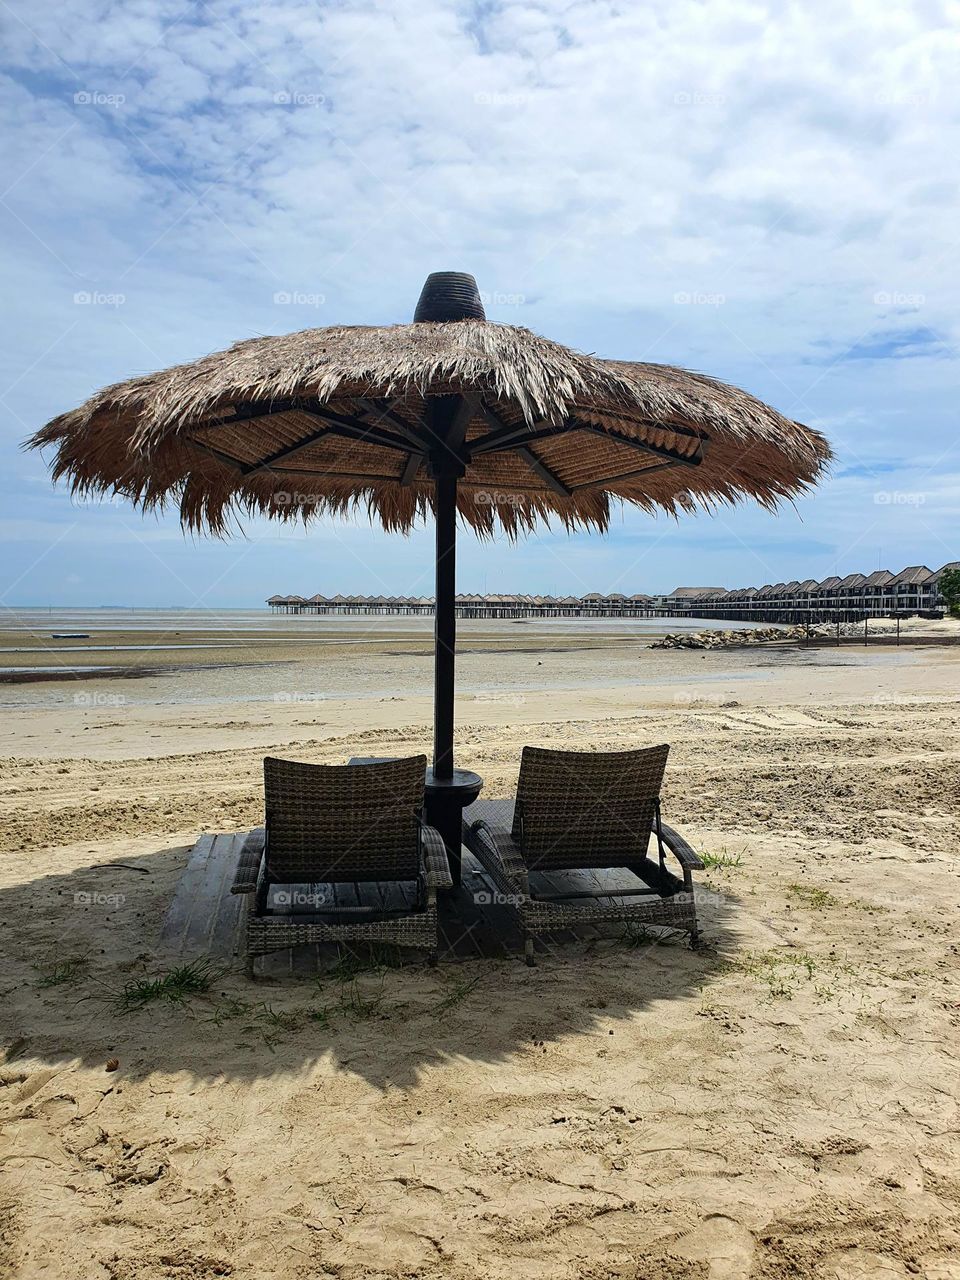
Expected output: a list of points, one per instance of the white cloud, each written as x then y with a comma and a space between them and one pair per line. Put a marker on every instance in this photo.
595, 158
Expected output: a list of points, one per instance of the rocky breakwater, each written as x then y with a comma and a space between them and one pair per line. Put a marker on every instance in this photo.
727, 639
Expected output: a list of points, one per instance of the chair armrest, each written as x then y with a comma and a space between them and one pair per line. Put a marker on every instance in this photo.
502, 846
248, 867
434, 866
688, 859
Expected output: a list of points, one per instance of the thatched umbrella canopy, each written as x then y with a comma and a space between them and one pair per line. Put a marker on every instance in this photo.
449, 414
321, 421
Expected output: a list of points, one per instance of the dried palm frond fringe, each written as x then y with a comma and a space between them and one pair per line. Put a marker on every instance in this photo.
200, 435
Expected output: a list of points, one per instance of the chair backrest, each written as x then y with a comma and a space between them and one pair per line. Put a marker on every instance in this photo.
329, 823
586, 808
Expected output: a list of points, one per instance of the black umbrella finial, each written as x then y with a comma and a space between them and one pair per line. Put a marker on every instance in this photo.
449, 295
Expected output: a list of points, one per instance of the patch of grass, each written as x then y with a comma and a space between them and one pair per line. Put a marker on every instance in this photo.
280, 1022
779, 989
821, 899
722, 860
264, 1021
175, 987
783, 972
638, 935
227, 1008
61, 973
286, 1019
358, 1006
456, 995
373, 958
811, 896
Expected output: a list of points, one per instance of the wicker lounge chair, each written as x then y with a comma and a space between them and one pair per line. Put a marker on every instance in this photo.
577, 809
336, 824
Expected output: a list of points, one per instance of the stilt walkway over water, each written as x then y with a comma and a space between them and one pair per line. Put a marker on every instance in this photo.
882, 594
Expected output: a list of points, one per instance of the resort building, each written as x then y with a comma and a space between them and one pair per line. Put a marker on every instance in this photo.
914, 590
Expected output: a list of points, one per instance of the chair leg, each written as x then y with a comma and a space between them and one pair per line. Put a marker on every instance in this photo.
248, 967
695, 931
528, 951
427, 900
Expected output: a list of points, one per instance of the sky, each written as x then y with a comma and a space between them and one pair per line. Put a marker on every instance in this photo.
764, 192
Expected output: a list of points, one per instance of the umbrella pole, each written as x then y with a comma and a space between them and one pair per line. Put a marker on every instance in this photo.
445, 626
448, 791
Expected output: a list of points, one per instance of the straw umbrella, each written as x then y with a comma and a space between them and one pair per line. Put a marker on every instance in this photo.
448, 415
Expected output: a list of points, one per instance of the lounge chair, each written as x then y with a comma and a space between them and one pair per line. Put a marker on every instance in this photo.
580, 809
334, 824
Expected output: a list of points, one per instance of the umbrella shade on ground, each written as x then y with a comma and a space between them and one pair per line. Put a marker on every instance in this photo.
451, 414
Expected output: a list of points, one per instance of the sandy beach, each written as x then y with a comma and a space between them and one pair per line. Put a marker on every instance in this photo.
782, 1103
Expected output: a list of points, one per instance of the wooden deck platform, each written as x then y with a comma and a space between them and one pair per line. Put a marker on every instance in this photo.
205, 919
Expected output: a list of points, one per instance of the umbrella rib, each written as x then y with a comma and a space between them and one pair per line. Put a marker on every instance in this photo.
225, 458
410, 470
549, 477
389, 412
355, 431
461, 421
627, 475
338, 475
503, 433
674, 428
496, 422
552, 433
246, 413
660, 451
329, 416
352, 429
289, 451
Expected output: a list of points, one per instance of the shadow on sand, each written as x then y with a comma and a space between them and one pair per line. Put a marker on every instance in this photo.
77, 945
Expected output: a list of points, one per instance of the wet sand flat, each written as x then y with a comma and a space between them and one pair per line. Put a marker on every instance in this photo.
782, 1103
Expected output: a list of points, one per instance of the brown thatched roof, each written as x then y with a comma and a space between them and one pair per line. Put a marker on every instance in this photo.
325, 420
